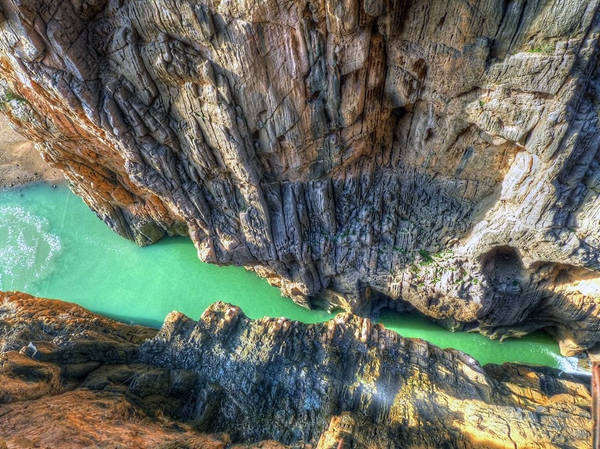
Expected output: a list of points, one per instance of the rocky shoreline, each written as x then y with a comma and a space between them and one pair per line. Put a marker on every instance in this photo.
353, 153
442, 155
21, 162
226, 380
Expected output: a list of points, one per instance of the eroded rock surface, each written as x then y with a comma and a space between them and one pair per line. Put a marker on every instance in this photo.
72, 379
272, 378
20, 162
227, 380
353, 152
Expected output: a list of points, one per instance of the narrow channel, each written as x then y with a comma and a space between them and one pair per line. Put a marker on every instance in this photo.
52, 245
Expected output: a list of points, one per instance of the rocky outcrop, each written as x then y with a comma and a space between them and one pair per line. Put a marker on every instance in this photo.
355, 153
72, 379
87, 380
273, 378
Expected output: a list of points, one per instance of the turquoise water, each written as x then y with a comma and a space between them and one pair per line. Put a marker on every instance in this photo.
52, 245
56, 247
538, 348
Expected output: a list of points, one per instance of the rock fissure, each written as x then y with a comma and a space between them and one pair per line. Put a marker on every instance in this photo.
246, 381
330, 145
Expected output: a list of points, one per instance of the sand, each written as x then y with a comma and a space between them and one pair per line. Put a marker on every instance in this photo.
20, 162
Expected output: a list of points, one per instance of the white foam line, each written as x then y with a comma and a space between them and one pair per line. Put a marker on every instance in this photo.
29, 249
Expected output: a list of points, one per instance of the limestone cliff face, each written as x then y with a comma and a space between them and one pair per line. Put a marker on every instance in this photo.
355, 153
88, 381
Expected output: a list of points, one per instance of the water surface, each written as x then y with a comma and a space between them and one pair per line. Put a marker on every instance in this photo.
53, 246
56, 247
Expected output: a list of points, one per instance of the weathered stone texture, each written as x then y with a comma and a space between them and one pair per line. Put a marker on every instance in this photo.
441, 152
273, 378
72, 379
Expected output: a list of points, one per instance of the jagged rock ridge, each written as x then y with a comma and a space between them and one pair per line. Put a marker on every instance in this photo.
353, 152
344, 380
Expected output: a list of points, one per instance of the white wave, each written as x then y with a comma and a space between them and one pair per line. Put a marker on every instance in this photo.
567, 364
27, 248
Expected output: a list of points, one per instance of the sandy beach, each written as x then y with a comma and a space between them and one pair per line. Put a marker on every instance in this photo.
20, 162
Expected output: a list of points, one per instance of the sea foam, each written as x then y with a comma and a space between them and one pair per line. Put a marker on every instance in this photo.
29, 249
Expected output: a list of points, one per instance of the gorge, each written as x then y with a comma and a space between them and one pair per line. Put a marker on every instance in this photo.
334, 146
439, 156
52, 246
74, 368
345, 382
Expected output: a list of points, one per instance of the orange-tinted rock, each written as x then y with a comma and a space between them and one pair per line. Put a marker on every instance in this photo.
84, 380
356, 153
83, 418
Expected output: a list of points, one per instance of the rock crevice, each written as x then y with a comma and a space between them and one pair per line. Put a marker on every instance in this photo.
245, 381
338, 148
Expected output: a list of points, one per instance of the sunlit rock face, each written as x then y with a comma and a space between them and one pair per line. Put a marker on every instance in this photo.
89, 381
356, 153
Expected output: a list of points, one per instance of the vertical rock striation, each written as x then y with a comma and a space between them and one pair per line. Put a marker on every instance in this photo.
273, 378
355, 153
63, 368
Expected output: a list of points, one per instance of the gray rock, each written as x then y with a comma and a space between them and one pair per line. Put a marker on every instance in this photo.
355, 153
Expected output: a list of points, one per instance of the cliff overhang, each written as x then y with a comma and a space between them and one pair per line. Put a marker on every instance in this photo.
355, 153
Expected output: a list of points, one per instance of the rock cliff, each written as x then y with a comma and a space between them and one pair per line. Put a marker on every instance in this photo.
355, 153
90, 382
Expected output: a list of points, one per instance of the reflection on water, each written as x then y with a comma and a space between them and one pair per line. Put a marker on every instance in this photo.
52, 245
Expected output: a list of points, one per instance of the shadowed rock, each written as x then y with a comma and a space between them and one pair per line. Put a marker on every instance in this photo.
269, 379
346, 150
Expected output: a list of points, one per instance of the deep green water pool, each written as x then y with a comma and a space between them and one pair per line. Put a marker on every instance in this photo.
53, 246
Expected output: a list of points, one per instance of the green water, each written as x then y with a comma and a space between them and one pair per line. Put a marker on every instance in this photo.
538, 348
52, 245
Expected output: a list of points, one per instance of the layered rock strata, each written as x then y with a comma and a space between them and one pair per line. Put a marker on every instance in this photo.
346, 381
356, 153
71, 379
